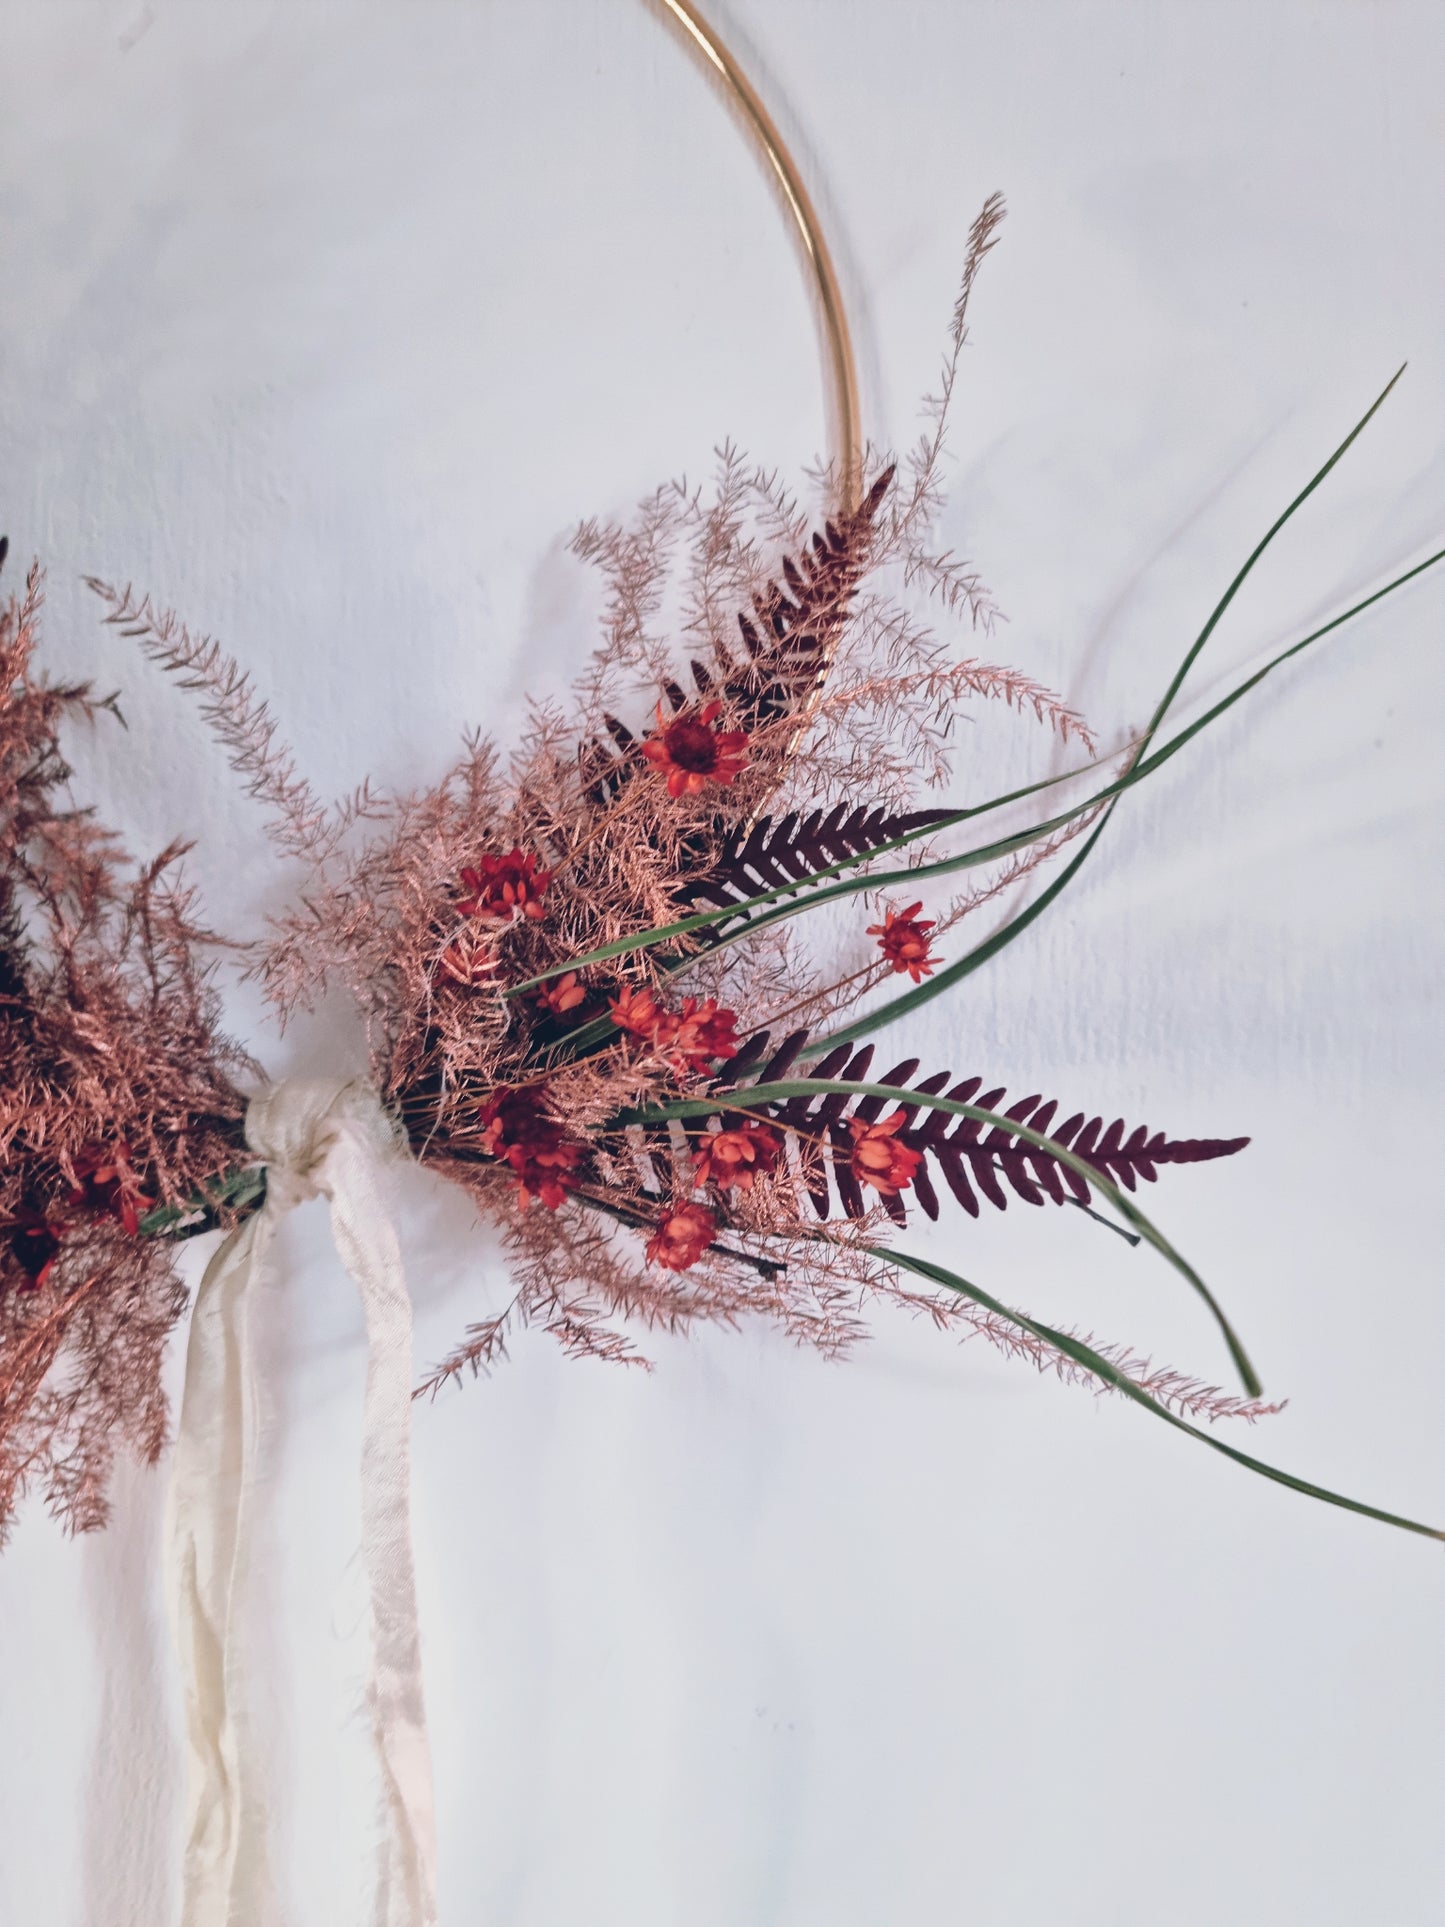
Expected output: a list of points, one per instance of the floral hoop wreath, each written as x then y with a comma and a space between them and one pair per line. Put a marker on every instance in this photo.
588, 1004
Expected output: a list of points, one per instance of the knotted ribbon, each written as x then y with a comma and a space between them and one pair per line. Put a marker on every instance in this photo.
316, 1139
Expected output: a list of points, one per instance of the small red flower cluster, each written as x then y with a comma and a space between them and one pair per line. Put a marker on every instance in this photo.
683, 1234
693, 1036
736, 1156
498, 890
505, 886
878, 1159
905, 941
516, 1127
694, 752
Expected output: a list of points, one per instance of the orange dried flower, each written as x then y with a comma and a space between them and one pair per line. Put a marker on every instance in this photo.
878, 1158
694, 752
683, 1234
504, 886
561, 994
905, 941
694, 1036
736, 1156
515, 1127
637, 1011
545, 1172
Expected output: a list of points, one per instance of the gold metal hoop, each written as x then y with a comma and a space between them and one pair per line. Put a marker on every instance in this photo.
847, 448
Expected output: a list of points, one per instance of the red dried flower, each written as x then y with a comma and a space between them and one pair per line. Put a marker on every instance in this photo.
878, 1158
683, 1234
106, 1184
736, 1156
545, 1173
694, 1036
694, 752
561, 994
700, 1034
34, 1243
515, 1127
638, 1011
469, 959
505, 886
905, 942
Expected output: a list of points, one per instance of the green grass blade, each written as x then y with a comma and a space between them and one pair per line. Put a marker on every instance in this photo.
910, 1000
1110, 1374
784, 895
751, 1095
599, 1028
665, 933
1258, 550
237, 1189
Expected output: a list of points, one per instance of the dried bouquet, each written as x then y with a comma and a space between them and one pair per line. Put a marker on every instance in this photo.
581, 972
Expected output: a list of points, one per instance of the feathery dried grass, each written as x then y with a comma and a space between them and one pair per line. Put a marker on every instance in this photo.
109, 1045
809, 670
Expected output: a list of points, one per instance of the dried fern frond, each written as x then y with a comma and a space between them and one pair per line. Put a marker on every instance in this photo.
770, 855
789, 638
972, 1160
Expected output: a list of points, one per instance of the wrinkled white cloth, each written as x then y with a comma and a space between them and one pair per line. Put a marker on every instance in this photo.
326, 1139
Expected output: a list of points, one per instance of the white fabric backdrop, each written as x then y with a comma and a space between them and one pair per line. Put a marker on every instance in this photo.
325, 322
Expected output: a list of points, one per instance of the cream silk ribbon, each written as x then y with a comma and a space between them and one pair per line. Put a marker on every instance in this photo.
316, 1139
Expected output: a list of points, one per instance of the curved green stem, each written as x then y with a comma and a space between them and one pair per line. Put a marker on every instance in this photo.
779, 1093
1118, 1381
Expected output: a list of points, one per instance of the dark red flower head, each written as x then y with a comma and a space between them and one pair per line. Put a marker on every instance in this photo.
905, 942
683, 1234
694, 752
639, 1012
106, 1184
878, 1158
504, 886
516, 1128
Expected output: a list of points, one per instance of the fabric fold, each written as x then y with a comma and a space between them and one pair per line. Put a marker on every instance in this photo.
328, 1139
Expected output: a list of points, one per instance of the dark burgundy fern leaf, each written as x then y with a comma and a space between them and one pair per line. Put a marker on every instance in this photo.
788, 641
975, 1160
795, 626
770, 855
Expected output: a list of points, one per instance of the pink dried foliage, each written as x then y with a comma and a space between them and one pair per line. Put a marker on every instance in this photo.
1188, 1397
436, 911
109, 1049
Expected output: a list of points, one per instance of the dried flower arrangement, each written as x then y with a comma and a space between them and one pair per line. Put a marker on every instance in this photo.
118, 1100
579, 968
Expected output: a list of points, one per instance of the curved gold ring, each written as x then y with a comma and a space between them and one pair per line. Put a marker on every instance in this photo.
843, 424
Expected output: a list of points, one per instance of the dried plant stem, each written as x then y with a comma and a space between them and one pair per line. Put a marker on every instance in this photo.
627, 1214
